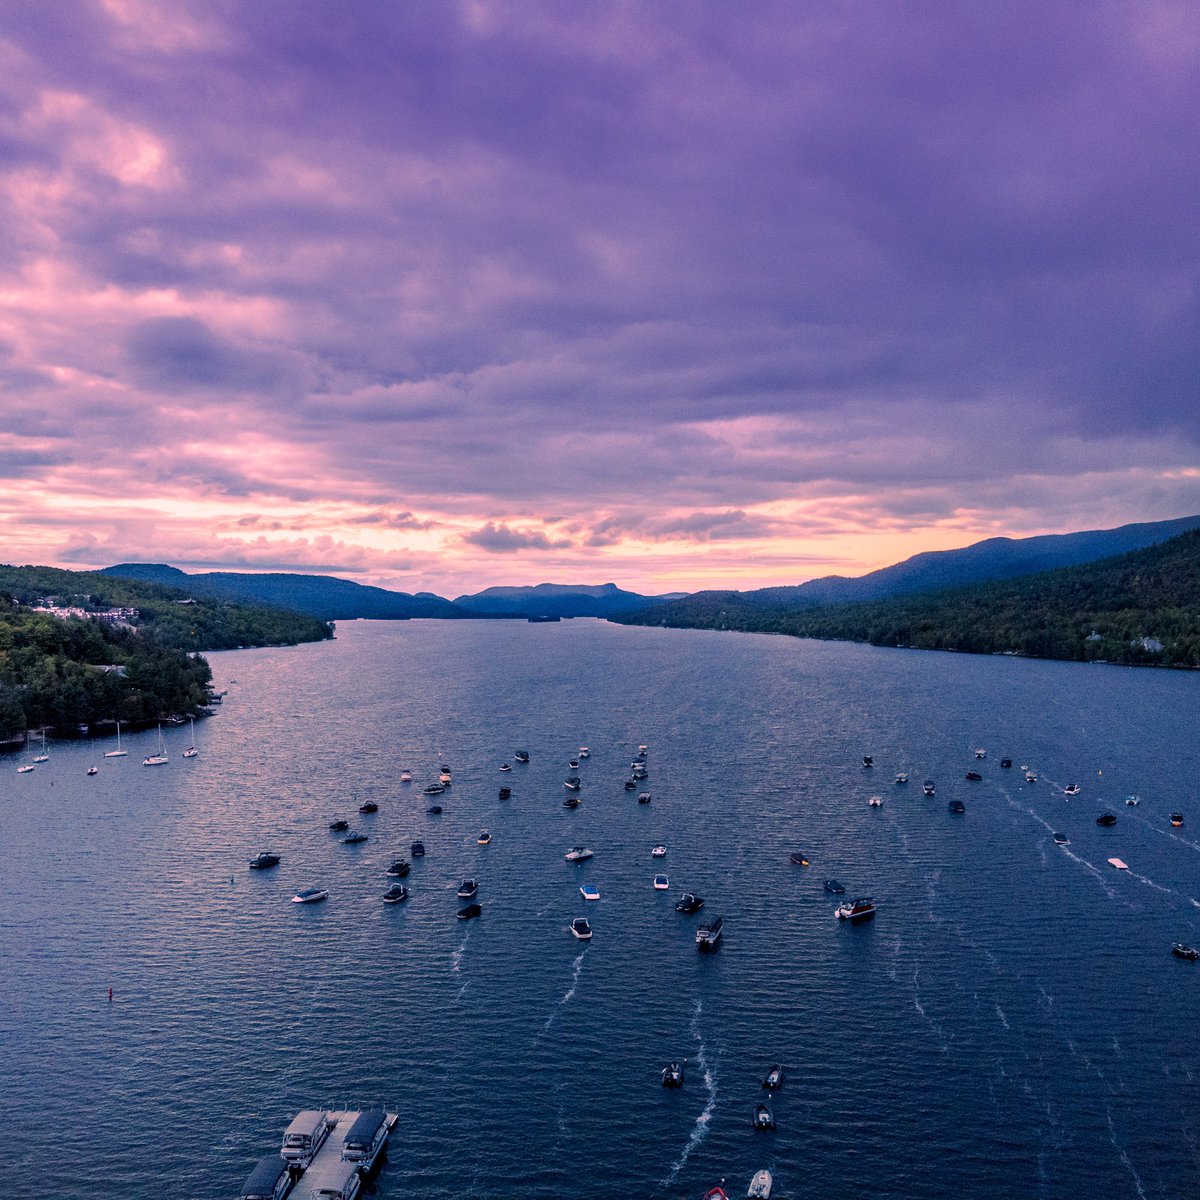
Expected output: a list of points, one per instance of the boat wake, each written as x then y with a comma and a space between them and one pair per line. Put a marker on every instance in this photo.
569, 994
456, 956
700, 1129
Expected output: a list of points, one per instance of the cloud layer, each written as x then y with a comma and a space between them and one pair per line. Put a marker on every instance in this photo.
447, 295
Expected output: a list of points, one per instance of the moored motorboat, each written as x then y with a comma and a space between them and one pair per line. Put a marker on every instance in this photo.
572, 783
928, 788
469, 911
435, 789
763, 1117
522, 756
1133, 801
661, 883
354, 837
672, 1075
571, 802
589, 891
369, 807
1031, 777
417, 849
708, 933
584, 752
643, 797
399, 869
406, 777
445, 777
956, 806
974, 776
310, 896
339, 826
835, 887
689, 903
1181, 950
260, 862
581, 929
505, 767
773, 1080
798, 858
92, 771
1006, 763
484, 838
1177, 819
901, 776
395, 894
434, 810
862, 909
630, 785
578, 854
760, 1186
1106, 819
658, 851
868, 760
506, 793
875, 802
467, 889
981, 753
573, 764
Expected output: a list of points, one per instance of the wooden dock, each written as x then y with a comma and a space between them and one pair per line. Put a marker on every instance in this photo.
328, 1169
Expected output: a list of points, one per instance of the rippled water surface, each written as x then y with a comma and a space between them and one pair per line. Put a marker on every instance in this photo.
1011, 1024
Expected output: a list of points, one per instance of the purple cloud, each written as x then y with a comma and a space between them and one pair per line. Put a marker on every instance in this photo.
500, 539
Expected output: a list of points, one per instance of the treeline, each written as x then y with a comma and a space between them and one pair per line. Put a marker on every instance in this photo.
65, 672
1141, 608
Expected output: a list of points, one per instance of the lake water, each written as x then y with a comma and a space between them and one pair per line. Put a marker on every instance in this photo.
1012, 1024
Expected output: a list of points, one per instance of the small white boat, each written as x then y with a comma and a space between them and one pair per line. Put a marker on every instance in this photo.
43, 756
158, 759
876, 802
901, 776
584, 752
445, 777
1031, 777
760, 1186
658, 852
1133, 801
1116, 862
406, 777
483, 838
981, 753
661, 883
578, 854
581, 929
572, 783
310, 896
589, 891
93, 771
505, 767
191, 751
118, 752
26, 769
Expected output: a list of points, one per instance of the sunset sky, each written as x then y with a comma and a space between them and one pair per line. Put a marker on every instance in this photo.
440, 295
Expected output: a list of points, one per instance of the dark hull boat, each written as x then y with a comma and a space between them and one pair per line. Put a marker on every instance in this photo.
467, 889
399, 869
339, 826
688, 903
798, 859
471, 910
763, 1118
672, 1075
395, 894
1188, 952
260, 862
708, 935
835, 887
956, 806
1106, 819
774, 1078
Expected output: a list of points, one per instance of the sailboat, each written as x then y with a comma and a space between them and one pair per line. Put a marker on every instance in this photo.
43, 757
160, 759
191, 751
118, 752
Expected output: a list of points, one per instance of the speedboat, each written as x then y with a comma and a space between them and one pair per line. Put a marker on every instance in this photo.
642, 751
630, 785
773, 1080
581, 929
1133, 801
469, 911
868, 760
434, 810
572, 783
522, 756
835, 887
689, 903
353, 838
395, 894
658, 852
505, 767
467, 889
1180, 950
578, 854
1118, 864
310, 896
643, 797
640, 772
1061, 839
901, 776
1031, 777
763, 1118
93, 771
369, 807
435, 789
506, 793
956, 806
483, 838
981, 753
760, 1186
260, 862
584, 752
417, 849
339, 826
589, 891
406, 777
1072, 789
928, 788
445, 777
572, 802
672, 1075
399, 869
798, 858
862, 909
1106, 819
716, 1193
661, 883
1177, 819
875, 802
708, 933
1006, 763
574, 764
974, 776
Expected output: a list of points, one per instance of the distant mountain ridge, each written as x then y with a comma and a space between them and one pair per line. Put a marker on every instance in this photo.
560, 600
324, 596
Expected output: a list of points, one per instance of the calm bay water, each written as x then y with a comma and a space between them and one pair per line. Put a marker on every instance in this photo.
1012, 1023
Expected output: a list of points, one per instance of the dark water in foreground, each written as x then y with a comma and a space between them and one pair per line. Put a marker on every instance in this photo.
1011, 1025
